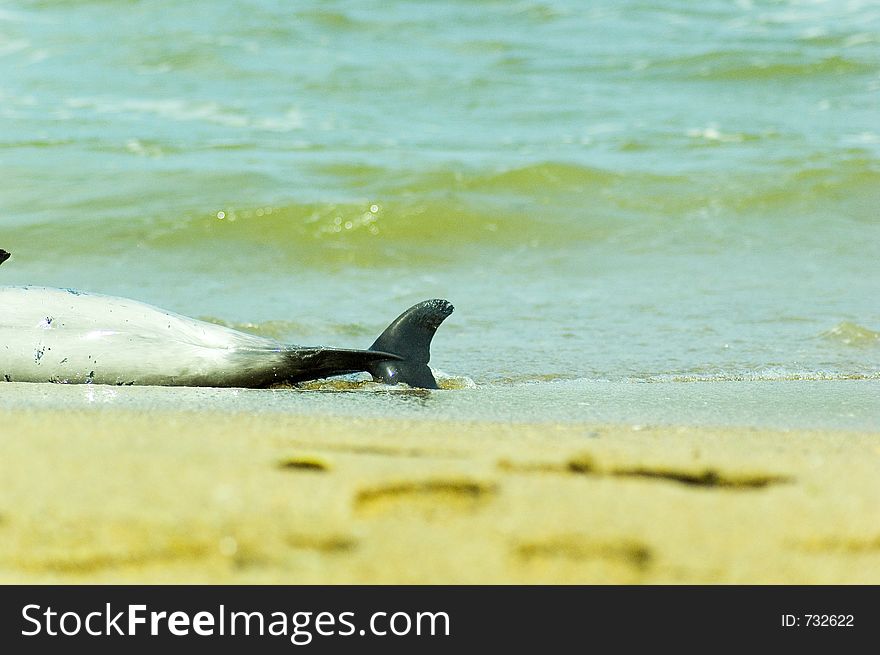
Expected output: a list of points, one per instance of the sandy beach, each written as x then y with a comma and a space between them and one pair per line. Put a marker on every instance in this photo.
115, 495
657, 222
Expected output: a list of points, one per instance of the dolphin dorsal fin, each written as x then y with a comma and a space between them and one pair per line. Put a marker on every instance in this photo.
4, 255
409, 337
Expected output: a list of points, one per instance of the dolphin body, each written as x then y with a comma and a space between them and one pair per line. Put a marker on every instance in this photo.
72, 337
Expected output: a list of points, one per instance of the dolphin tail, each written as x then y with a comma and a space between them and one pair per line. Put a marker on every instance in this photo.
409, 338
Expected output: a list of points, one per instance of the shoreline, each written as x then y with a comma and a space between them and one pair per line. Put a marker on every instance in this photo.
115, 496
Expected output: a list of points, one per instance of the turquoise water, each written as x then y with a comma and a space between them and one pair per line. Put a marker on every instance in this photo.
615, 192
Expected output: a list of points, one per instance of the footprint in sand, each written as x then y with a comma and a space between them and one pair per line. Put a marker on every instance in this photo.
309, 464
424, 497
867, 545
329, 544
575, 547
708, 477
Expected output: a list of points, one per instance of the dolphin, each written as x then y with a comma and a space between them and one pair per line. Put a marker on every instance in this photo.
72, 337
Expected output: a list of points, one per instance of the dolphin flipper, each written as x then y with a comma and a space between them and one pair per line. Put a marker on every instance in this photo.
409, 337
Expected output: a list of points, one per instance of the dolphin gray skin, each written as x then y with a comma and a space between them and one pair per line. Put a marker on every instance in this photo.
72, 337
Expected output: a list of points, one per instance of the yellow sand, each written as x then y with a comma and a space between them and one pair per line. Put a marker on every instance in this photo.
119, 496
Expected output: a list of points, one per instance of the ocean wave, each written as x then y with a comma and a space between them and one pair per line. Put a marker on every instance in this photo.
772, 374
540, 206
543, 177
852, 334
367, 233
535, 378
329, 19
177, 109
725, 65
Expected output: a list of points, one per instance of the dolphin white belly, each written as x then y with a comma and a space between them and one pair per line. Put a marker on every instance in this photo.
60, 335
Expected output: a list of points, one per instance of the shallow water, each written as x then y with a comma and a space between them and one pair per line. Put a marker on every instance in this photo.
796, 404
629, 191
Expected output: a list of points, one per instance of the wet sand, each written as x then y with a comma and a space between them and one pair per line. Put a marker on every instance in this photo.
113, 496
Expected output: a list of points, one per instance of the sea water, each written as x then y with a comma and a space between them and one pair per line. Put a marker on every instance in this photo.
643, 211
